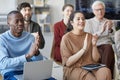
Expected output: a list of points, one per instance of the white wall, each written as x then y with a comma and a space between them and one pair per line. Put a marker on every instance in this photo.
55, 10
7, 5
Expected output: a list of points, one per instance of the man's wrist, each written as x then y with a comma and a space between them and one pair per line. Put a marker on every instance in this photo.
28, 57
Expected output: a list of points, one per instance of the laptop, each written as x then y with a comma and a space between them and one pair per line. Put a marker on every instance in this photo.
38, 70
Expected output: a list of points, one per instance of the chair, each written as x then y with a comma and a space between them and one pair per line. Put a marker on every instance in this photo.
116, 71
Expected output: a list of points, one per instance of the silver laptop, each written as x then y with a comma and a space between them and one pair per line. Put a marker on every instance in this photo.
38, 70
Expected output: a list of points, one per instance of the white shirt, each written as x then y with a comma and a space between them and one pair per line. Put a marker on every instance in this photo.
93, 26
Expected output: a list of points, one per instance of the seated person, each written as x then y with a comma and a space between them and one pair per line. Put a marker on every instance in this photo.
16, 47
59, 30
78, 48
30, 26
103, 28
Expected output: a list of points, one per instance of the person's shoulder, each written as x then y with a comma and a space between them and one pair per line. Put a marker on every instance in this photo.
90, 19
67, 35
34, 23
59, 22
5, 36
5, 33
59, 25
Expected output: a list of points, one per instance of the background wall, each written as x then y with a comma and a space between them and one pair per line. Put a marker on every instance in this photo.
6, 6
55, 7
70, 2
56, 10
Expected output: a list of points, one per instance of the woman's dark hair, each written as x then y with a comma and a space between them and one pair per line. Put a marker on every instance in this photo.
23, 5
70, 27
66, 5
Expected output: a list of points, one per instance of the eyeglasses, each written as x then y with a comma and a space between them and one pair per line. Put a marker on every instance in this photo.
102, 9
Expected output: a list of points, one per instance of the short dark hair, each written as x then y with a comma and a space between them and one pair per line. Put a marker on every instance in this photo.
66, 5
70, 27
23, 5
12, 12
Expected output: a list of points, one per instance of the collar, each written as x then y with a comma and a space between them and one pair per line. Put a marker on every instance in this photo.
96, 20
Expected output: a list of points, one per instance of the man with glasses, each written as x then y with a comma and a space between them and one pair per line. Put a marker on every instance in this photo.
103, 28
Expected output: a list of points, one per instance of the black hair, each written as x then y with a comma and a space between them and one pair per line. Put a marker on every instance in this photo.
12, 12
66, 5
70, 27
23, 5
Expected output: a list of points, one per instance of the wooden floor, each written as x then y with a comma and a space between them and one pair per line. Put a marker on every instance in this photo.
0, 77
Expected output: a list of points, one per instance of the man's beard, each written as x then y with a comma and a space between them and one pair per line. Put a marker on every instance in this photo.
27, 18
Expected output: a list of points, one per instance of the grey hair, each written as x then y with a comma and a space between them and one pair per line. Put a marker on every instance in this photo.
98, 2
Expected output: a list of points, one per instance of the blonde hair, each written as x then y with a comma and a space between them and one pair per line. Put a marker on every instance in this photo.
96, 3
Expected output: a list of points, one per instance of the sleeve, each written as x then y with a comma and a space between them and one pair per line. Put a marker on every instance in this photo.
65, 50
35, 27
8, 62
57, 37
88, 27
42, 44
37, 58
108, 32
112, 33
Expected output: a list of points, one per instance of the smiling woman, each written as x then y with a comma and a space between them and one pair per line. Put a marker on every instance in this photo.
59, 30
78, 48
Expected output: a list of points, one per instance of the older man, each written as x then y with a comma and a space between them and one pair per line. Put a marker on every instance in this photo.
103, 28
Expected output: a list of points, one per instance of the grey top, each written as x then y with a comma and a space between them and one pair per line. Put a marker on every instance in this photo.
93, 26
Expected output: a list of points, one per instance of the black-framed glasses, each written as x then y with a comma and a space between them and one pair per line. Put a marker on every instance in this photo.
102, 9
